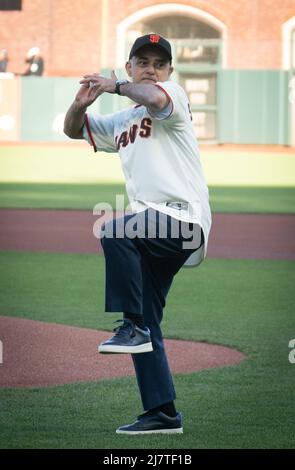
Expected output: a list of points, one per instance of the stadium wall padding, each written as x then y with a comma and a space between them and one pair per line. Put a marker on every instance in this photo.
253, 106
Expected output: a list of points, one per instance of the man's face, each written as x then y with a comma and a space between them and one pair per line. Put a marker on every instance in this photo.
149, 65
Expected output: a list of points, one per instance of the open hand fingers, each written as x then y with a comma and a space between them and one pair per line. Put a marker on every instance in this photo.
99, 83
91, 80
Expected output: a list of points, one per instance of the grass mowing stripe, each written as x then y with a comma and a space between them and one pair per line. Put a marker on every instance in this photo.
222, 408
85, 196
58, 196
77, 162
245, 303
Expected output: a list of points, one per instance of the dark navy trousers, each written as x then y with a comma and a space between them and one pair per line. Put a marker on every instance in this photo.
139, 272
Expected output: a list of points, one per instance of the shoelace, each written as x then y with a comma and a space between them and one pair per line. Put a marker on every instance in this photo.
128, 328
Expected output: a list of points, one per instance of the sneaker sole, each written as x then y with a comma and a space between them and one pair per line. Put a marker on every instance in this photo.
153, 431
110, 349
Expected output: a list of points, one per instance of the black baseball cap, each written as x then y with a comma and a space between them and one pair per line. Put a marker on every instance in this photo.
151, 40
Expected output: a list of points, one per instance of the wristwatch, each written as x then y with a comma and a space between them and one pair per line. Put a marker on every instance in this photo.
118, 84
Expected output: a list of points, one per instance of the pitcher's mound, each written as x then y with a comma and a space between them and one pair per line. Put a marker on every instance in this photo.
39, 354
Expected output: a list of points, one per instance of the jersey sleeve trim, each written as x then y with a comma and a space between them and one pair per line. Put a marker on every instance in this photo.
169, 98
89, 132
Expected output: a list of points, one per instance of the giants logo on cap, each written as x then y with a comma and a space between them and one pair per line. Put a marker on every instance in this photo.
154, 38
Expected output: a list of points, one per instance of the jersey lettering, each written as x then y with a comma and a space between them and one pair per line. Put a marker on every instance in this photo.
123, 140
190, 111
128, 137
146, 127
133, 133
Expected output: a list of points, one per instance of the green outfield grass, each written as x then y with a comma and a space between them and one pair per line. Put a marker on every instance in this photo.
85, 196
77, 163
246, 304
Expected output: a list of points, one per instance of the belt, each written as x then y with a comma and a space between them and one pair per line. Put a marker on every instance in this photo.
178, 205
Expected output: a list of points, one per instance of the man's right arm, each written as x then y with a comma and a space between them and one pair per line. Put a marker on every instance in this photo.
75, 117
74, 121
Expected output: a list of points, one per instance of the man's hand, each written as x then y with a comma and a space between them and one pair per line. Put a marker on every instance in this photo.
86, 96
94, 85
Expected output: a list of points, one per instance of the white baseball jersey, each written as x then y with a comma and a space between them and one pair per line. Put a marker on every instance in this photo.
159, 157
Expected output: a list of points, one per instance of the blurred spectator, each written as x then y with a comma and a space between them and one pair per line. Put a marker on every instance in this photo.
3, 60
35, 61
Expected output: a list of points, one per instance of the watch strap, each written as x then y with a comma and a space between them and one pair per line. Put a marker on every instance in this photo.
118, 84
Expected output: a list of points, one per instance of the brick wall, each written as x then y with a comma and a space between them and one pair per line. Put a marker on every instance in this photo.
21, 30
67, 32
78, 36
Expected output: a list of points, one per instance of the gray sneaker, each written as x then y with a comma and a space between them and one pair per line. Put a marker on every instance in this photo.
129, 338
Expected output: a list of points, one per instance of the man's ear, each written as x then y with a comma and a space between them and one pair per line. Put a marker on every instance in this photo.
128, 67
171, 69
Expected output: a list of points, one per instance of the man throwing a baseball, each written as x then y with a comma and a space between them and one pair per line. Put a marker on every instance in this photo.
170, 221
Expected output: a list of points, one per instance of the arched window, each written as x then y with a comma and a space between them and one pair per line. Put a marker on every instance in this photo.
185, 33
176, 27
198, 44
